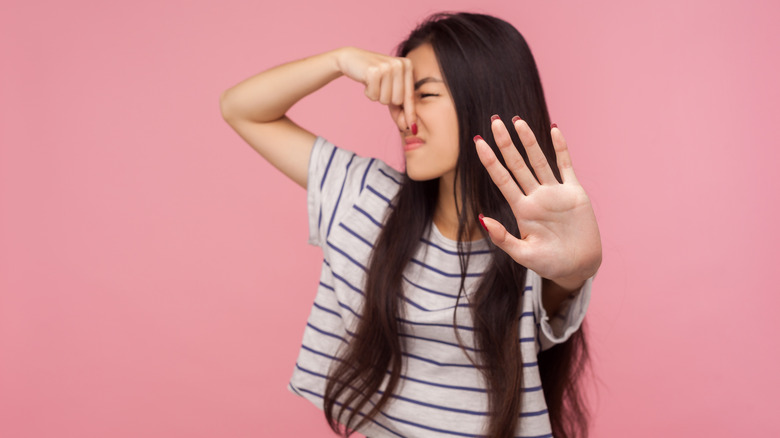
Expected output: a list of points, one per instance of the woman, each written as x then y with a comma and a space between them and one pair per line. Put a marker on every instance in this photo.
420, 326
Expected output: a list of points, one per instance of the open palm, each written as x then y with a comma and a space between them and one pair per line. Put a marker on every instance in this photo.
559, 237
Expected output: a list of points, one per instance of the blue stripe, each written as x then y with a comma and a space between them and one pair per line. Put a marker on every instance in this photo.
344, 253
444, 294
533, 414
389, 176
528, 314
406, 399
359, 413
441, 364
450, 252
326, 333
376, 222
424, 309
365, 174
440, 272
441, 385
341, 191
424, 382
439, 407
431, 324
311, 350
344, 280
358, 290
327, 168
383, 197
439, 341
325, 309
350, 231
538, 330
344, 306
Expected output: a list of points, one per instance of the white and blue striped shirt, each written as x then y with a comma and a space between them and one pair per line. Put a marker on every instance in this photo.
440, 394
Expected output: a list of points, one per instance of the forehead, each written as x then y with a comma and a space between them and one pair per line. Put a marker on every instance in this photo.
424, 62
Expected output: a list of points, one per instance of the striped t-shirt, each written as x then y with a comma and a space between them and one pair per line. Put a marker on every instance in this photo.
440, 394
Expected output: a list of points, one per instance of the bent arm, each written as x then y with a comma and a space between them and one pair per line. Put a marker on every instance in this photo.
255, 108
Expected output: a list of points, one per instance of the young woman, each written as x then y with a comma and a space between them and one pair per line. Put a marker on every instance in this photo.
426, 323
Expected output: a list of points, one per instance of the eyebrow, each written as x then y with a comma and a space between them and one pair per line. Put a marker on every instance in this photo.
422, 81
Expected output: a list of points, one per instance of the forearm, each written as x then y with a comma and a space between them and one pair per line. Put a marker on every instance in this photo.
554, 294
267, 96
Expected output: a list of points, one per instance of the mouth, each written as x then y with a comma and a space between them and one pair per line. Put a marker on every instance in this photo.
412, 143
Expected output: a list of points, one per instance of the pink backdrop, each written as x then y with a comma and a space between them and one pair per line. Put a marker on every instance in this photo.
154, 273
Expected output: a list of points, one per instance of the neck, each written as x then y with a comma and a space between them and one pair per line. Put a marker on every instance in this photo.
446, 214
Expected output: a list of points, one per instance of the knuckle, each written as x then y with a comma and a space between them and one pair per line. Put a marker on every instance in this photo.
515, 162
502, 178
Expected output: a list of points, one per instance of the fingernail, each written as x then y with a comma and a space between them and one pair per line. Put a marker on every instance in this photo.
481, 216
477, 137
554, 125
414, 128
515, 119
494, 117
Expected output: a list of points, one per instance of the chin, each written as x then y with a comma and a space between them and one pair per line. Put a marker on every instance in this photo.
420, 176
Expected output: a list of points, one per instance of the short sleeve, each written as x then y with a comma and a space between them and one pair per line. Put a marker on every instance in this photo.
560, 327
336, 178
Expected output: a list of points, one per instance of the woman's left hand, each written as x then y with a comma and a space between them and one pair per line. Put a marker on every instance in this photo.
559, 236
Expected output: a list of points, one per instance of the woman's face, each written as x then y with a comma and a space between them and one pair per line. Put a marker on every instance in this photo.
433, 152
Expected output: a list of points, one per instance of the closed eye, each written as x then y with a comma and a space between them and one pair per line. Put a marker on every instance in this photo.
427, 95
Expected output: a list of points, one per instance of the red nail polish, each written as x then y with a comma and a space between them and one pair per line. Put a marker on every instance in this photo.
515, 119
494, 117
481, 216
414, 128
553, 126
477, 137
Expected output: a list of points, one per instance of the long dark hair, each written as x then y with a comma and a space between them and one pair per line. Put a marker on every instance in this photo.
489, 69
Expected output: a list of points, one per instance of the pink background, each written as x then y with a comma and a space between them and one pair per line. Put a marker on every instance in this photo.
154, 273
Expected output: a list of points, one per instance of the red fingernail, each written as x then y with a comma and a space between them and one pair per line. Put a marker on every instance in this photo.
414, 128
553, 126
477, 137
515, 119
481, 216
494, 117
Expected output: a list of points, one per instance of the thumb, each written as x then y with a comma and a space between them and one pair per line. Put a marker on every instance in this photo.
514, 247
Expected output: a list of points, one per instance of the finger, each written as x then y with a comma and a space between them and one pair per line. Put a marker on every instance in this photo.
514, 247
373, 76
386, 87
535, 155
498, 173
514, 161
562, 152
397, 97
409, 114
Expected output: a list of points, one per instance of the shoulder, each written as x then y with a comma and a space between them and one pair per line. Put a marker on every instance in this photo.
337, 166
339, 180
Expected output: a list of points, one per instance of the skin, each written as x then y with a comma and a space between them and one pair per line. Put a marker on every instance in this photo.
437, 123
559, 236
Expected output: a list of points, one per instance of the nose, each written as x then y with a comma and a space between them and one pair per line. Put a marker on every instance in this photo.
397, 113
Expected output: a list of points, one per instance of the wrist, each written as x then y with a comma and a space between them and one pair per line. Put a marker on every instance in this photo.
573, 282
339, 56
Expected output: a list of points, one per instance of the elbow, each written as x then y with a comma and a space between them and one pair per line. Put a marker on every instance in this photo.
224, 105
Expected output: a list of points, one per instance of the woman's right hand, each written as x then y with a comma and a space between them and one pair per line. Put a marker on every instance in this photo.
388, 79
256, 107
